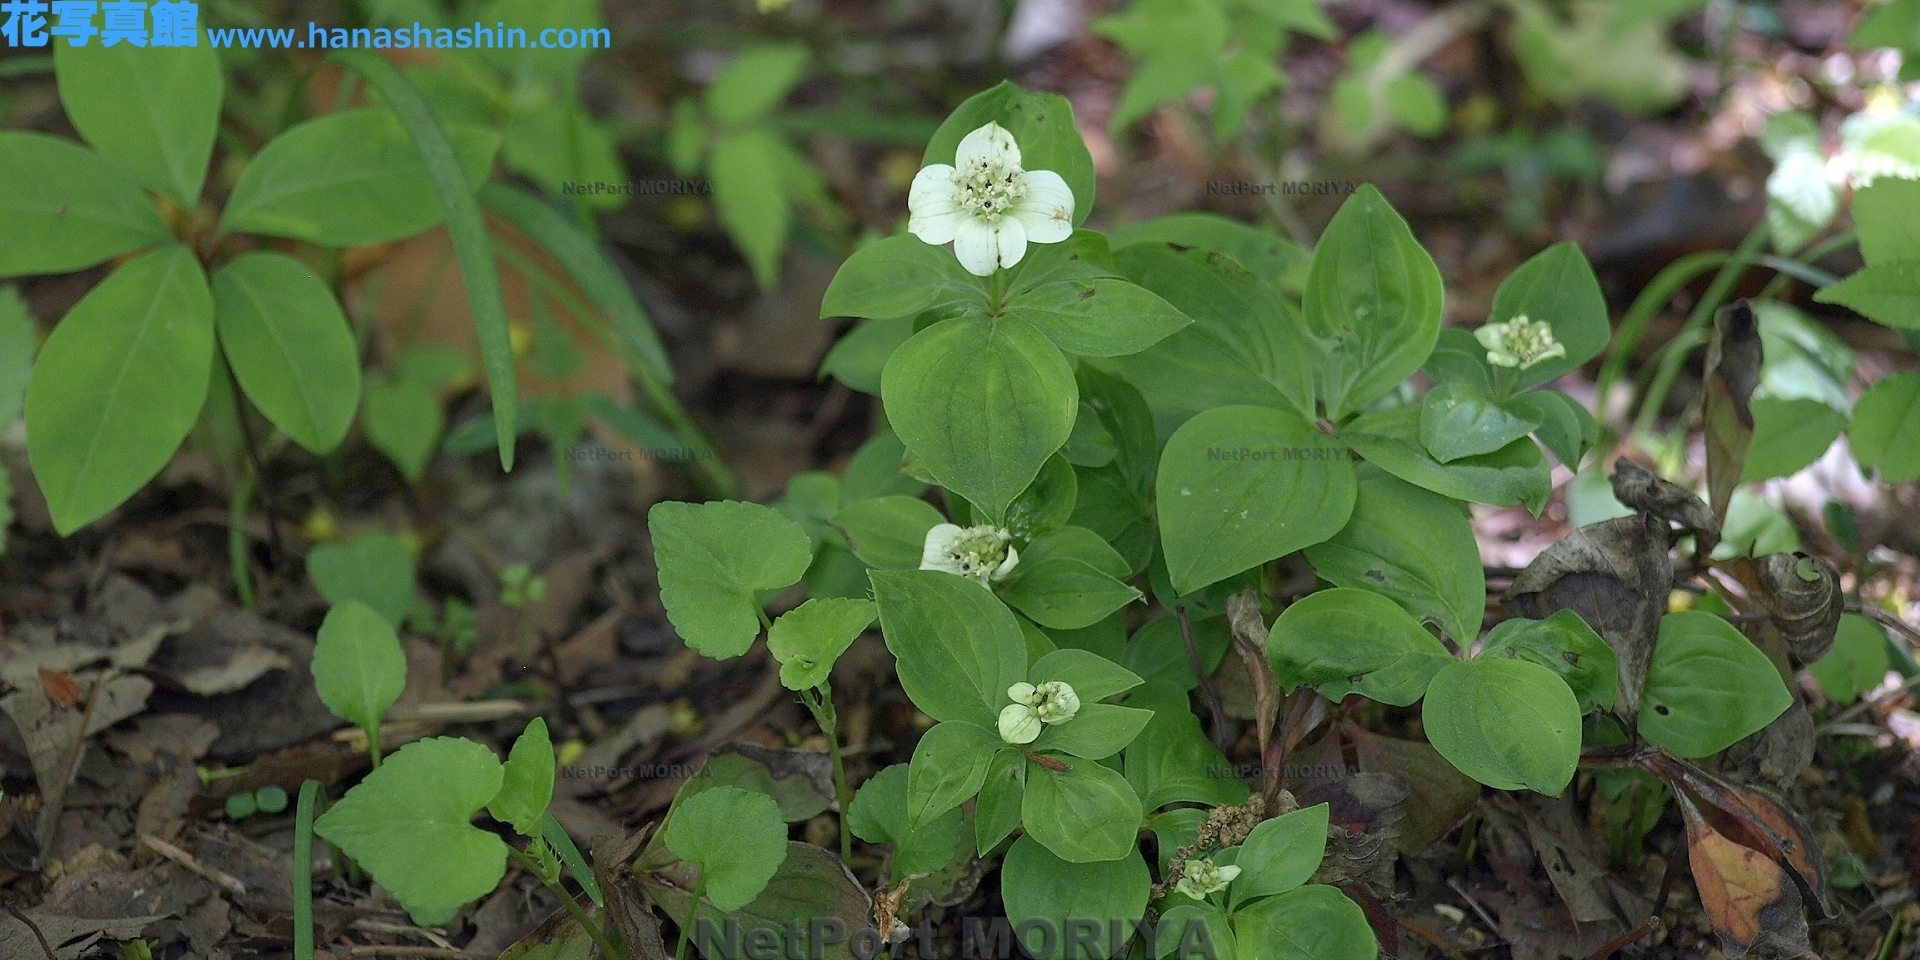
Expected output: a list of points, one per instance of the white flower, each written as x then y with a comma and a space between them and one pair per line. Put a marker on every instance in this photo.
989, 208
983, 554
1519, 342
1198, 878
1018, 724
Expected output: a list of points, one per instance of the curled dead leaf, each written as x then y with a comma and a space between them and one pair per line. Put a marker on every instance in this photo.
1733, 372
1801, 596
1745, 894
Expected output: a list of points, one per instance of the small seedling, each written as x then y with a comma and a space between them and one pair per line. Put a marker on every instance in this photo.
359, 668
519, 586
267, 799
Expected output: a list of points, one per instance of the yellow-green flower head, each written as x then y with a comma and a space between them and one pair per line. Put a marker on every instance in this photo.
983, 554
987, 206
1519, 342
1198, 878
1047, 703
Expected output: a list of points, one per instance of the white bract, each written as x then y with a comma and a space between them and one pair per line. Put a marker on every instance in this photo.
987, 206
1198, 878
983, 554
1048, 703
1519, 342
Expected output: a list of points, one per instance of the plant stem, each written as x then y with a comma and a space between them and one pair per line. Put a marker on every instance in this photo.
303, 871
237, 539
823, 713
607, 949
373, 743
693, 907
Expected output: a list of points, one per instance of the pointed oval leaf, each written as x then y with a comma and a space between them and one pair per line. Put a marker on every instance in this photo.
375, 569
63, 208
809, 638
1040, 888
1510, 724
151, 111
1239, 486
982, 404
289, 345
956, 647
526, 786
1374, 297
119, 384
1708, 686
1412, 545
1086, 813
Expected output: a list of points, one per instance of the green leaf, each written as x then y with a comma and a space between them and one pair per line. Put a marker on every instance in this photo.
17, 343
1172, 761
957, 649
755, 82
1856, 664
1412, 545
878, 814
1887, 293
736, 837
1566, 429
752, 205
1092, 676
949, 764
1333, 635
1064, 593
1073, 900
858, 358
527, 784
1390, 440
1195, 930
64, 209
1509, 724
1416, 104
119, 384
1043, 509
809, 638
1096, 732
888, 533
714, 559
403, 420
374, 569
1263, 253
900, 277
1374, 297
359, 669
585, 265
453, 178
1557, 287
1789, 434
6, 506
1281, 853
1246, 345
1801, 201
982, 404
289, 346
347, 179
1314, 922
1886, 428
408, 825
1100, 317
1237, 489
1564, 644
1157, 652
1086, 813
1458, 420
1041, 123
997, 811
150, 112
1708, 687
1883, 216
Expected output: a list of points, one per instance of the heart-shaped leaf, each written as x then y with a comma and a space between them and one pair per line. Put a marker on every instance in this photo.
736, 836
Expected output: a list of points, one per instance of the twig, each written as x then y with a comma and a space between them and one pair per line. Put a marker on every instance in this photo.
1207, 692
57, 800
1868, 704
1648, 926
1885, 619
1461, 889
402, 930
37, 935
218, 878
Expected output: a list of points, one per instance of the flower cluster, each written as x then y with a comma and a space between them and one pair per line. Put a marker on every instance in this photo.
1519, 342
1048, 703
987, 206
983, 554
1198, 878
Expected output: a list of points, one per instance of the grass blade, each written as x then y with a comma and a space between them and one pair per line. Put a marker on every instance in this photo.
584, 264
570, 855
303, 871
467, 230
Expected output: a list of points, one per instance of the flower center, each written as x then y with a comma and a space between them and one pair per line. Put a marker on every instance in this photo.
1528, 340
979, 550
989, 186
